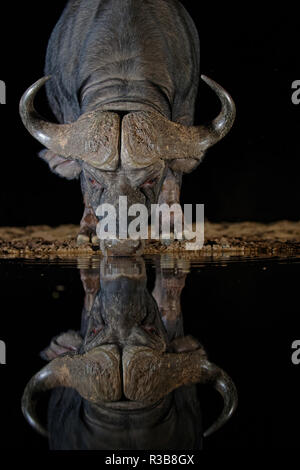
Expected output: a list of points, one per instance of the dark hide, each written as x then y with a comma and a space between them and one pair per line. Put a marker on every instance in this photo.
133, 52
74, 424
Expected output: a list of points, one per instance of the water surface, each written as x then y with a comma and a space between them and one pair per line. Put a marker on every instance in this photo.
243, 310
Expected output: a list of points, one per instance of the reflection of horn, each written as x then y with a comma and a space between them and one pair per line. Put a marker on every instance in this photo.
225, 386
148, 376
93, 138
95, 375
147, 136
47, 378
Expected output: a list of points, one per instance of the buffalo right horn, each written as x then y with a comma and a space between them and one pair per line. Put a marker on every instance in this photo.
55, 137
93, 138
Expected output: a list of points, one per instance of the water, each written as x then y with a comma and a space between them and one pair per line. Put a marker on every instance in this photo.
244, 311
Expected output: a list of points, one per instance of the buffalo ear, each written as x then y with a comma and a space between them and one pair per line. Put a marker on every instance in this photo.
186, 165
69, 169
61, 344
184, 344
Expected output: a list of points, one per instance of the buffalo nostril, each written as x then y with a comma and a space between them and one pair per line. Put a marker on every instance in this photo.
122, 247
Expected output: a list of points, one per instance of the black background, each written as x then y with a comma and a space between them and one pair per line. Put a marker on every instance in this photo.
251, 175
246, 316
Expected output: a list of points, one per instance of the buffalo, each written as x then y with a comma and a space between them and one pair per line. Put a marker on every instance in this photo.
124, 80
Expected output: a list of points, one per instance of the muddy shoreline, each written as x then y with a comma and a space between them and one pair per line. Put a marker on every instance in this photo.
247, 238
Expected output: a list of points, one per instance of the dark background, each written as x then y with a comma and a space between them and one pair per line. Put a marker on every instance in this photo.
251, 175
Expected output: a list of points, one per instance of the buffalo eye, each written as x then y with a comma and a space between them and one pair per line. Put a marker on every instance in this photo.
95, 331
150, 329
149, 183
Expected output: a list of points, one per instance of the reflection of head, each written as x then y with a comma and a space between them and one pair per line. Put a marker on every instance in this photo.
124, 358
123, 312
75, 424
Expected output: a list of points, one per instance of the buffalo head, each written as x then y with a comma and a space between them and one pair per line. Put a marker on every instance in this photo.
125, 154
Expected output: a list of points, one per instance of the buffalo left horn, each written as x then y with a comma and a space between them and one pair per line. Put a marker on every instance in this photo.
93, 138
148, 135
148, 376
95, 375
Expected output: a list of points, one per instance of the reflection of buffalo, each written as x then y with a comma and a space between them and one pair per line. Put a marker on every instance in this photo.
124, 81
175, 422
122, 382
